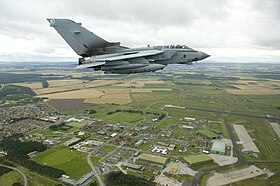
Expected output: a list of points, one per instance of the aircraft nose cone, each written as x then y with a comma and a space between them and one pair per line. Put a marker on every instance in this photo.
203, 55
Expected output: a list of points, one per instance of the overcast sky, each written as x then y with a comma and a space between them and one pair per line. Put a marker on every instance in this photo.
228, 30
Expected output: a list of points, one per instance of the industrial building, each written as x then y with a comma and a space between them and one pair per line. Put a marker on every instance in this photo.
83, 181
132, 166
208, 134
138, 143
218, 147
153, 159
198, 159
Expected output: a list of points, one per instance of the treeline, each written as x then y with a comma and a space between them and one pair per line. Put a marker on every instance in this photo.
120, 179
18, 153
16, 78
57, 126
45, 84
4, 170
15, 92
203, 76
160, 116
269, 76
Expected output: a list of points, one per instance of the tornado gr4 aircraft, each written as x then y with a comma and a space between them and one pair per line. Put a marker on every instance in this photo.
111, 57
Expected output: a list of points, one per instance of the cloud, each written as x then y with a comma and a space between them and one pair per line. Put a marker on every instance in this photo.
238, 26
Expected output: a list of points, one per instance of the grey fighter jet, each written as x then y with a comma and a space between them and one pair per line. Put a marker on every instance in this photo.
111, 57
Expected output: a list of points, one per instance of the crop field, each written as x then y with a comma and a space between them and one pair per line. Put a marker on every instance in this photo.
65, 82
110, 95
148, 97
139, 83
255, 88
72, 162
76, 94
68, 104
11, 178
32, 85
149, 90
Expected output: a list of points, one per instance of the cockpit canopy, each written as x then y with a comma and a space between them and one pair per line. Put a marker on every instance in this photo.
174, 46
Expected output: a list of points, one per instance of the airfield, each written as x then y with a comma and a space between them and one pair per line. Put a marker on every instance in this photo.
196, 104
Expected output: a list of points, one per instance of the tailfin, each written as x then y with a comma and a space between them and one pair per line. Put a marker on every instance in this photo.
81, 40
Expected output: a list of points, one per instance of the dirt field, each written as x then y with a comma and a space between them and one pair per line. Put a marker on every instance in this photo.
234, 176
69, 104
255, 88
92, 95
43, 91
65, 82
246, 140
76, 94
98, 83
111, 95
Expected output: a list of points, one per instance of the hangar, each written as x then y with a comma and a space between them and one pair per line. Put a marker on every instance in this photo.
218, 147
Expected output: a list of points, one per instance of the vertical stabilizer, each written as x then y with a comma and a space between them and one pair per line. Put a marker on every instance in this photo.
81, 40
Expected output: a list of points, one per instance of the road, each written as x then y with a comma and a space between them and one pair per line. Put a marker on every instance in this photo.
19, 171
100, 182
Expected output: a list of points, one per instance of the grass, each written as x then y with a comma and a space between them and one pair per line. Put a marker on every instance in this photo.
42, 131
72, 162
203, 179
106, 149
95, 160
75, 124
122, 117
10, 178
38, 180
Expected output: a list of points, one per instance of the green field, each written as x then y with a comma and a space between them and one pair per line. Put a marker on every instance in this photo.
95, 160
10, 178
122, 117
75, 125
72, 162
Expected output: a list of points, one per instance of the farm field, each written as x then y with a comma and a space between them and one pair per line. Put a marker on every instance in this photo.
255, 88
63, 105
32, 85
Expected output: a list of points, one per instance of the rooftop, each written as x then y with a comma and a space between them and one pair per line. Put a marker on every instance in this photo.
218, 146
198, 159
153, 158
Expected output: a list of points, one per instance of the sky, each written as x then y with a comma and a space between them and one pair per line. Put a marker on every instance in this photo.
228, 30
